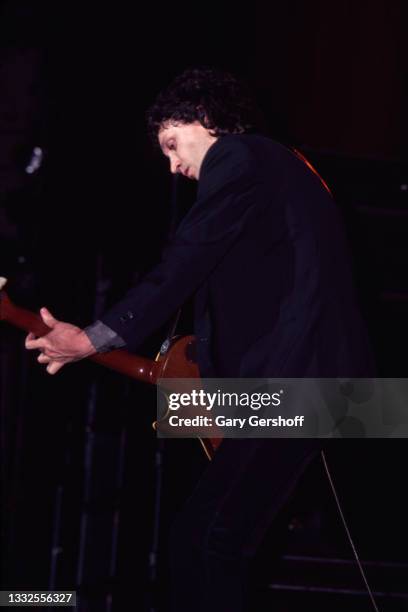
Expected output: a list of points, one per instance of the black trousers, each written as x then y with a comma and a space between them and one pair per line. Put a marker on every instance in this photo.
224, 521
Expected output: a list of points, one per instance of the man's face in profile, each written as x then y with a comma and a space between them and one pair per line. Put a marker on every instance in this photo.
185, 144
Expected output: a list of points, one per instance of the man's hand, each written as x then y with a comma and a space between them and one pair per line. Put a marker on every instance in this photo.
63, 344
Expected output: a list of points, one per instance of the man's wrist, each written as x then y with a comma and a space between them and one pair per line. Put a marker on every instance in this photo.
87, 346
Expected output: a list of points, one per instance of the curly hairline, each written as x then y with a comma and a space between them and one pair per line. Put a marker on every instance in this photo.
215, 99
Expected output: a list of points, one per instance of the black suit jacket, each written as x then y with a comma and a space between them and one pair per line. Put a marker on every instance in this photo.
264, 253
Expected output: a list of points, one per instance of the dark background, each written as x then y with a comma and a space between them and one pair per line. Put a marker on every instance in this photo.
78, 454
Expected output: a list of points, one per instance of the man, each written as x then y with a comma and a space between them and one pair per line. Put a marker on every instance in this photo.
262, 250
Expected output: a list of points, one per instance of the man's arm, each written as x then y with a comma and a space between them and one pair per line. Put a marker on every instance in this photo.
226, 199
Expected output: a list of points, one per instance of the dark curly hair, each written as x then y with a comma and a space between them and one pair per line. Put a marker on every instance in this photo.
216, 99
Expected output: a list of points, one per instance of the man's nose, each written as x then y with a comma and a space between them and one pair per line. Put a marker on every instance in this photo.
175, 165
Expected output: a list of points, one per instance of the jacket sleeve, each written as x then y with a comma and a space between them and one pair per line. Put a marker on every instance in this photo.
226, 199
103, 338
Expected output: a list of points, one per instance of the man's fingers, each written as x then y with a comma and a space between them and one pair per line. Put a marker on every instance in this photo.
28, 339
34, 343
47, 317
43, 358
53, 367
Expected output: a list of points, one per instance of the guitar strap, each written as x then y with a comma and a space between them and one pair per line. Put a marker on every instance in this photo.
171, 332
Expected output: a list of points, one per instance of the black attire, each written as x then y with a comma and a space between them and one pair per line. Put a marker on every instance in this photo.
264, 253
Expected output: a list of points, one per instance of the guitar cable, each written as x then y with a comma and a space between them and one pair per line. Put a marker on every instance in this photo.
349, 536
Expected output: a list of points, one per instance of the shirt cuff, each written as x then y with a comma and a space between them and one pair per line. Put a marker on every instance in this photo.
103, 338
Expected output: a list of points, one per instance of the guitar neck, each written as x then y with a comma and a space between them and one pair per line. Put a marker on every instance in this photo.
121, 361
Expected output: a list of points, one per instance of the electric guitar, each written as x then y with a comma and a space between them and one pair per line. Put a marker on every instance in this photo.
176, 359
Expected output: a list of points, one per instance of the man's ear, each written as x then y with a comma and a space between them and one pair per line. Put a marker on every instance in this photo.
205, 122
203, 117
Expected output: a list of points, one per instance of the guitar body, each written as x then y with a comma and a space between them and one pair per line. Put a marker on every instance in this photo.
177, 358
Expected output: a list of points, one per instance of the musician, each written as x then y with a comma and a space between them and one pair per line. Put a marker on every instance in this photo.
262, 251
